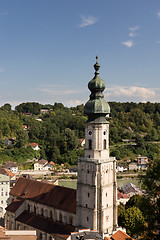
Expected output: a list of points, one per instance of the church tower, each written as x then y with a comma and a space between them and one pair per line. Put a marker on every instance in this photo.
96, 183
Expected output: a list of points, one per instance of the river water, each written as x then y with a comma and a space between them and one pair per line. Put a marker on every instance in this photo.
120, 182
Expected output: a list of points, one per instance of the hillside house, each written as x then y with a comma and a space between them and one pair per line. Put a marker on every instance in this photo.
43, 165
11, 166
34, 146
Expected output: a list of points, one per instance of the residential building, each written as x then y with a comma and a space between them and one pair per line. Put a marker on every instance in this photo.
11, 166
43, 165
4, 193
130, 189
34, 146
9, 141
122, 198
142, 162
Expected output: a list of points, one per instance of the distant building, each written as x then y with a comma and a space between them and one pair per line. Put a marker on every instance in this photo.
11, 166
122, 198
34, 146
130, 189
9, 141
43, 111
133, 166
4, 193
43, 165
6, 172
142, 162
121, 169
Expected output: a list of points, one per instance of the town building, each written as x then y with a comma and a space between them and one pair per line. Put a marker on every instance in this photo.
44, 207
11, 166
43, 165
34, 146
96, 183
4, 193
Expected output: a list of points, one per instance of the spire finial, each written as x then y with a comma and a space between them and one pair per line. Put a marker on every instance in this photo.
96, 66
96, 59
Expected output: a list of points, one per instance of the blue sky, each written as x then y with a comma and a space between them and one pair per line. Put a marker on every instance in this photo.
48, 49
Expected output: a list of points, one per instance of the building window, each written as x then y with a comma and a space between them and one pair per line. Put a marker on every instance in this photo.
1, 193
104, 132
60, 217
2, 202
42, 212
35, 209
6, 193
90, 144
28, 207
2, 189
104, 144
88, 195
87, 219
86, 205
40, 236
106, 194
51, 215
70, 220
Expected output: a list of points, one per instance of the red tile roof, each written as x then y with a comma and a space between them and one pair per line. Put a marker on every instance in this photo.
47, 194
45, 224
6, 172
121, 195
33, 144
120, 235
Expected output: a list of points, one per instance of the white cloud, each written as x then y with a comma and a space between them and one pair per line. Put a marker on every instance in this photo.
128, 43
87, 21
132, 94
133, 31
3, 13
158, 14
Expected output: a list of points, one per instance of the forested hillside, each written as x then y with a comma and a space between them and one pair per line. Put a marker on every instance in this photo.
59, 131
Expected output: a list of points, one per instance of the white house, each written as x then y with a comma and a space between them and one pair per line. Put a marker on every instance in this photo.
11, 167
43, 165
34, 146
4, 193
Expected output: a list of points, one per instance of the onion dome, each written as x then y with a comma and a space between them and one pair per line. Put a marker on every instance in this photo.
96, 106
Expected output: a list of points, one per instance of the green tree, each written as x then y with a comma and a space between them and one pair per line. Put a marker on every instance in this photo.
134, 221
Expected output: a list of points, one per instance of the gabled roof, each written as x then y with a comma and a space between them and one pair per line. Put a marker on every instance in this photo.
121, 195
47, 194
33, 144
10, 165
4, 171
120, 235
45, 224
42, 161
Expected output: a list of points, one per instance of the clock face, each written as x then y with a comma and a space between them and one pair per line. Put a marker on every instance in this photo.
90, 132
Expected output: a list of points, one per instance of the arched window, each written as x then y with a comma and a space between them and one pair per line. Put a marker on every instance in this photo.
104, 144
51, 214
42, 212
70, 220
28, 207
35, 209
60, 217
90, 144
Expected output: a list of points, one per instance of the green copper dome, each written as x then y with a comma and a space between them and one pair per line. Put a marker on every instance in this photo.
96, 106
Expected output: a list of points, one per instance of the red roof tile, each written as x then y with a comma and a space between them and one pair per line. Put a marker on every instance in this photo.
51, 195
33, 144
6, 172
120, 235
